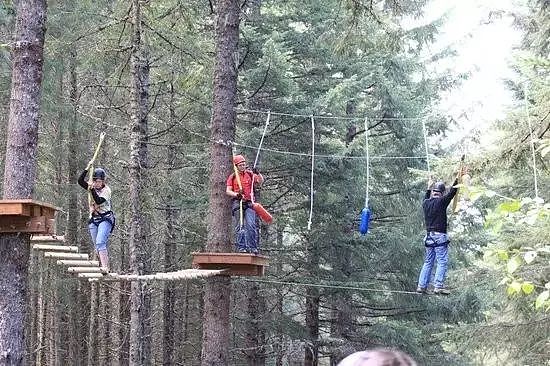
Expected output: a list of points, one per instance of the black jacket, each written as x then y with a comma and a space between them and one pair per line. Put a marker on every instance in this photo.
435, 209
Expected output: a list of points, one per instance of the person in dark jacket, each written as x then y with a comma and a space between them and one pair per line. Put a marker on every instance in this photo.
102, 219
436, 241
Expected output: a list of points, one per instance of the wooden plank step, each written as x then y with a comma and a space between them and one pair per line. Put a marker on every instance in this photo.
47, 239
90, 275
60, 248
77, 263
62, 255
88, 269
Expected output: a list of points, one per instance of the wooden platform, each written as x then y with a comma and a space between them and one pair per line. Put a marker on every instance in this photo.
235, 264
27, 216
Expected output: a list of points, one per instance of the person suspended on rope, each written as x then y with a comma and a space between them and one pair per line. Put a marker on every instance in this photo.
239, 188
102, 218
436, 241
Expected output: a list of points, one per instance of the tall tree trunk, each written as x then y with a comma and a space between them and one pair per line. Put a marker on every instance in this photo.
80, 290
215, 335
312, 310
255, 334
20, 171
92, 329
140, 260
169, 236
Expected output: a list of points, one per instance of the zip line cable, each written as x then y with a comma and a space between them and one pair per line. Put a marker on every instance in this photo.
312, 168
325, 116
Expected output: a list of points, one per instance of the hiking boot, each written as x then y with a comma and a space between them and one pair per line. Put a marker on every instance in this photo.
441, 291
421, 290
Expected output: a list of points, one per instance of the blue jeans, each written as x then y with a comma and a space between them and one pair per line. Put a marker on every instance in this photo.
100, 234
246, 238
441, 254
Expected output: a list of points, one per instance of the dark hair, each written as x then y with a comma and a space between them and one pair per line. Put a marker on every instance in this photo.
378, 357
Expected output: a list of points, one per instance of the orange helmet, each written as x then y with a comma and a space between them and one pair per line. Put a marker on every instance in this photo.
237, 159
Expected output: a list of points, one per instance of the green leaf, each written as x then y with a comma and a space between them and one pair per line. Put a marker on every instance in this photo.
527, 288
514, 288
513, 264
530, 256
509, 207
543, 296
502, 254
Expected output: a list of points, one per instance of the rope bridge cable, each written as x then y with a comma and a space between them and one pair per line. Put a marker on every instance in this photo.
331, 286
354, 288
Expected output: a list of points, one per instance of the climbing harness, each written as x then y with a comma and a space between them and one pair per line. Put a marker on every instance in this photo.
366, 212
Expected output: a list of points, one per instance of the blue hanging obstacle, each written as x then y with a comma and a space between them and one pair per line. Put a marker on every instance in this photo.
365, 218
366, 212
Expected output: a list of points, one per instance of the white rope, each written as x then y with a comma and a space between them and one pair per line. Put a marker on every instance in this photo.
312, 167
367, 156
528, 116
325, 117
253, 199
426, 145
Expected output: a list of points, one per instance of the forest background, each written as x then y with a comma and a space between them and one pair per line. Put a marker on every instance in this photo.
328, 290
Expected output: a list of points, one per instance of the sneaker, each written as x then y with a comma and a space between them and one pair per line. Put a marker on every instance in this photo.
242, 250
421, 290
441, 291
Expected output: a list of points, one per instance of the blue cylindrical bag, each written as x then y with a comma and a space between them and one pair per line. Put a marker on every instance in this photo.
365, 218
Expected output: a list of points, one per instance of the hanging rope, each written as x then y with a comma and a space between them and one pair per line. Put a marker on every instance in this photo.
262, 139
368, 164
365, 212
426, 145
253, 199
528, 116
91, 168
312, 168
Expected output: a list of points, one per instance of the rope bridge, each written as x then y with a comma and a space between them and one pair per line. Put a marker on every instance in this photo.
82, 266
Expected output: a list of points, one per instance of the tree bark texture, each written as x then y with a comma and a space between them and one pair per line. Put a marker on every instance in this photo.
169, 297
20, 171
311, 351
79, 290
140, 259
215, 338
255, 334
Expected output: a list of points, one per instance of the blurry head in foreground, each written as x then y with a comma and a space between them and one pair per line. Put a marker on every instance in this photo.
378, 357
